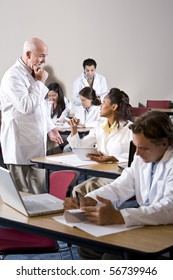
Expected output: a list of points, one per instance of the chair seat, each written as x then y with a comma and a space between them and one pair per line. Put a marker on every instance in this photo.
12, 240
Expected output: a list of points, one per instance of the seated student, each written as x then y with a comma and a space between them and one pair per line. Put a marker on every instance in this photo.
150, 178
60, 105
89, 78
89, 113
59, 108
112, 135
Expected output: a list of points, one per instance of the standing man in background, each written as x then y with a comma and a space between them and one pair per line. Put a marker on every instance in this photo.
89, 78
25, 122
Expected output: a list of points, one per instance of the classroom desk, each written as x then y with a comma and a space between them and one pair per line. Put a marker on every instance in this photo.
79, 129
167, 111
106, 170
149, 241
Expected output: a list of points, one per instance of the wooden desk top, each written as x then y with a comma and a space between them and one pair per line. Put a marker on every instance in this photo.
107, 170
169, 111
79, 129
148, 239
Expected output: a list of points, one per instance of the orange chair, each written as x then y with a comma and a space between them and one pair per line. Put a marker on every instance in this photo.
164, 104
14, 241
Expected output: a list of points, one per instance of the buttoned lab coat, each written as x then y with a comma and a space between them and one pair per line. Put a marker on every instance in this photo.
156, 202
99, 85
25, 121
89, 119
116, 144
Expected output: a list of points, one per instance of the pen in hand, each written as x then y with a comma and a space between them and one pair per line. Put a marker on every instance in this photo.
78, 198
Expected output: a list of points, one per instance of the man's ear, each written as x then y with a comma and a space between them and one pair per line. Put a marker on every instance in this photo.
28, 54
165, 143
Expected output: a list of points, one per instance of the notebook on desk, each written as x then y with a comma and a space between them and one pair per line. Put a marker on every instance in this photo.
29, 205
132, 150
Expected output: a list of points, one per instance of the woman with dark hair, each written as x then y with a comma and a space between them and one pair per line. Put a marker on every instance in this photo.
60, 105
111, 135
59, 108
89, 113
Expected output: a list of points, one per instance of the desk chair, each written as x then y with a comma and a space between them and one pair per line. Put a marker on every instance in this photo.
61, 184
13, 241
137, 111
158, 104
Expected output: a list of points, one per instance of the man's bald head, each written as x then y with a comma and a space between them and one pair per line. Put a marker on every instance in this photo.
32, 44
35, 52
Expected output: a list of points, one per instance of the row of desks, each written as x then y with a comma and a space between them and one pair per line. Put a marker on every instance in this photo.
149, 241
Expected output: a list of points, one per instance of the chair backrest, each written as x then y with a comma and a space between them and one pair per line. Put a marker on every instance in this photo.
158, 103
62, 182
137, 111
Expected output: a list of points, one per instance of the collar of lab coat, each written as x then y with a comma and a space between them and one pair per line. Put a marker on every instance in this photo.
23, 65
159, 169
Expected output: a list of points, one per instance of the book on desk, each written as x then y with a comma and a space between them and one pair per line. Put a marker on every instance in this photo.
76, 218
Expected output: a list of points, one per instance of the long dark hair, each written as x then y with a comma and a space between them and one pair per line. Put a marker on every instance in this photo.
90, 94
61, 104
124, 110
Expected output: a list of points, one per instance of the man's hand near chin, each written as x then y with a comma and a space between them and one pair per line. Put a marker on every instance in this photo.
40, 74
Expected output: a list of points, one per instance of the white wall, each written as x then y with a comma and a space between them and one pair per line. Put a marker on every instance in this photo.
131, 40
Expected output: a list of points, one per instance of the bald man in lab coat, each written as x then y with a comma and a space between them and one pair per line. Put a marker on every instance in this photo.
25, 122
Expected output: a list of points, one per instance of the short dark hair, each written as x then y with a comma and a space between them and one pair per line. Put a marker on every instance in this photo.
89, 62
155, 126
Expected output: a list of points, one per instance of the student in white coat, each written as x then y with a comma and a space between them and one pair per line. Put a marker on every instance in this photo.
59, 108
150, 179
89, 78
25, 122
88, 114
60, 105
111, 135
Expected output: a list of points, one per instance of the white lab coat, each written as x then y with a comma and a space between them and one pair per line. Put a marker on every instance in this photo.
135, 180
116, 144
90, 118
65, 113
99, 85
25, 121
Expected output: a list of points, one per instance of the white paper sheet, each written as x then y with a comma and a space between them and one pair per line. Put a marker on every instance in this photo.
79, 222
71, 159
